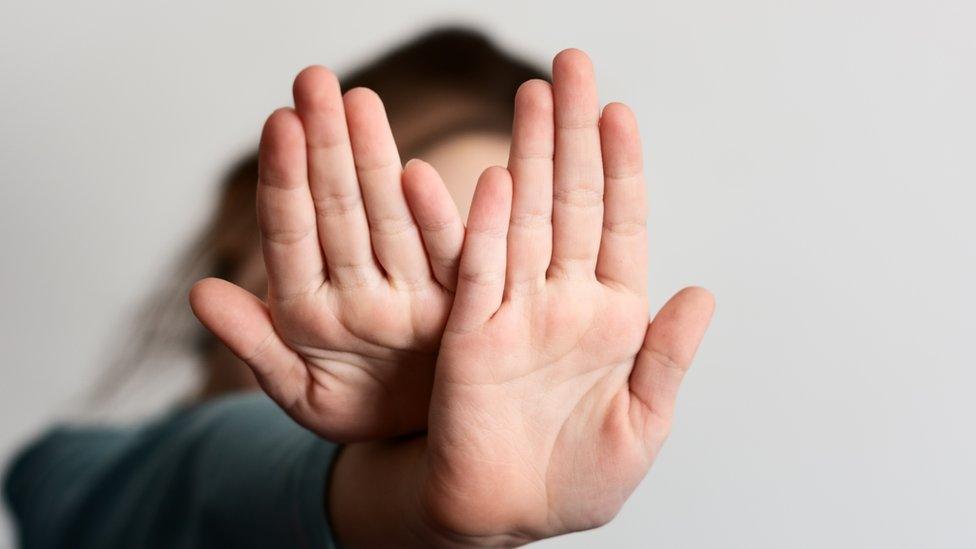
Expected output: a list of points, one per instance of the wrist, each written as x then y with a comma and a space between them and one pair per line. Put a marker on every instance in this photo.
377, 498
373, 496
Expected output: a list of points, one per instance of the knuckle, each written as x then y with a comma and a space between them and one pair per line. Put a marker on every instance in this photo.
492, 232
532, 220
390, 225
337, 203
627, 227
579, 196
666, 361
285, 237
484, 278
447, 262
259, 350
438, 225
627, 172
367, 168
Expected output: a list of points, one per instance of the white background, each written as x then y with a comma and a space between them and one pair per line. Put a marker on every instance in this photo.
813, 164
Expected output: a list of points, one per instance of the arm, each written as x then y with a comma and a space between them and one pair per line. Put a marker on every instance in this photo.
234, 472
552, 395
361, 258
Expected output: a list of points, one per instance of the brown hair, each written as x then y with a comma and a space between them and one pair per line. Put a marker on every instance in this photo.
456, 72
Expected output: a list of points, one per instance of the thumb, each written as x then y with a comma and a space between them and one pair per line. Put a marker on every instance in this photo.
669, 346
242, 322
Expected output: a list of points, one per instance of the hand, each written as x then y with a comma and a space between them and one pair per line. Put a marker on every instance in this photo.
552, 394
358, 294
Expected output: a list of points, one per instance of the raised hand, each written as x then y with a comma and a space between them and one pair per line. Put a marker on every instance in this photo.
552, 393
359, 288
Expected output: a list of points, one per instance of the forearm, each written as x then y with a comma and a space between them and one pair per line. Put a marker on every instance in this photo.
373, 496
234, 472
377, 498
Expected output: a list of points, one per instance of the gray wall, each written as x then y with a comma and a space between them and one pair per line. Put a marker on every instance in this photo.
812, 163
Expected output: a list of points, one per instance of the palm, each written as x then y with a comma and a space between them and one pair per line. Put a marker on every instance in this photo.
552, 393
376, 323
544, 413
360, 255
369, 351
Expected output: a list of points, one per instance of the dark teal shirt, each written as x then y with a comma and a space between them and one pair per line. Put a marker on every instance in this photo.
233, 472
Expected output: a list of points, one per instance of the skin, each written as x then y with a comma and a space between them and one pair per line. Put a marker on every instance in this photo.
359, 285
552, 393
459, 159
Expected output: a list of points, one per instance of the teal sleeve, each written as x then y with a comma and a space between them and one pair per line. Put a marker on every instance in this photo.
234, 472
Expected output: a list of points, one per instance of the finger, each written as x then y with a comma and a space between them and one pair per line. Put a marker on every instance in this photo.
437, 217
481, 273
623, 247
669, 346
242, 322
342, 227
530, 163
286, 214
396, 239
577, 210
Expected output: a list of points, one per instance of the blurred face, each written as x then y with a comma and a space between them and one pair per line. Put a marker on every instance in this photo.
461, 159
